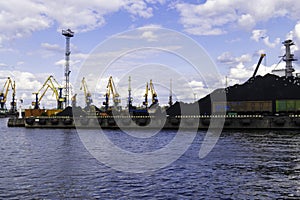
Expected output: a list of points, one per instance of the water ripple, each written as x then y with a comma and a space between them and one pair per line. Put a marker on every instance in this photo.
53, 164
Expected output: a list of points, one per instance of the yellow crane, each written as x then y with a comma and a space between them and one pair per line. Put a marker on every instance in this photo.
9, 84
87, 94
57, 91
111, 89
153, 93
145, 103
154, 99
74, 100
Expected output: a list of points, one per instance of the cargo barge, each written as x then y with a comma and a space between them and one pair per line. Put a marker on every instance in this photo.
178, 122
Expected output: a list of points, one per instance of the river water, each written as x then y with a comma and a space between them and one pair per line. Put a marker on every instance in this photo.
54, 164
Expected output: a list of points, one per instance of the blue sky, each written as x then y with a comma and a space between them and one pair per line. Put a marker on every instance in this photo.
233, 33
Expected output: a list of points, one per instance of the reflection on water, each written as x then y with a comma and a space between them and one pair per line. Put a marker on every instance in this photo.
53, 164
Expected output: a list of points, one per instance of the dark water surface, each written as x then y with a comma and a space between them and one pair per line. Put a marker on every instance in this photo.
54, 164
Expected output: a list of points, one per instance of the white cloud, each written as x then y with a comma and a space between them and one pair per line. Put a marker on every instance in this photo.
149, 35
52, 47
21, 18
297, 30
295, 36
227, 58
156, 1
196, 84
246, 21
240, 73
271, 44
204, 19
139, 8
218, 16
3, 65
258, 35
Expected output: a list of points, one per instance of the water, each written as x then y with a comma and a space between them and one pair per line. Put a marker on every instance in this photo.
54, 164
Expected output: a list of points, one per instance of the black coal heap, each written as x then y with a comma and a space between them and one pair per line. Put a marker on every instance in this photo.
260, 88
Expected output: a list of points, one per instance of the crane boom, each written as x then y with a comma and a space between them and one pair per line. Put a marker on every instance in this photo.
74, 100
153, 93
57, 91
145, 103
111, 89
170, 96
87, 94
9, 84
258, 64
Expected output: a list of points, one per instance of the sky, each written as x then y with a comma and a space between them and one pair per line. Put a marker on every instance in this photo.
232, 35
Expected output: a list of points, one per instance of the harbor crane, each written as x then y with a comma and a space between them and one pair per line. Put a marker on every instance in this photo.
9, 84
130, 99
111, 89
153, 93
170, 96
74, 100
145, 103
154, 100
52, 84
87, 94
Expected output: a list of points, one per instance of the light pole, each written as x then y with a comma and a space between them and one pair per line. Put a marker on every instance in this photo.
68, 34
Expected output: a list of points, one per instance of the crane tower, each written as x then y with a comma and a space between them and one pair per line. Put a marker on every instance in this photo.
288, 58
68, 34
129, 94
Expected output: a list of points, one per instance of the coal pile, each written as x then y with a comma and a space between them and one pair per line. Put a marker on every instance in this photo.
264, 88
260, 88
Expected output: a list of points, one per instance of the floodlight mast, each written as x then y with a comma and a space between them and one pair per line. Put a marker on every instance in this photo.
68, 34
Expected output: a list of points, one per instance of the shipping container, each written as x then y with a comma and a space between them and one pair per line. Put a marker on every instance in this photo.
244, 106
290, 105
287, 105
280, 105
297, 105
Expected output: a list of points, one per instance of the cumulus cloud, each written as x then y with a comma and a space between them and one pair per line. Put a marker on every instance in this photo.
215, 17
246, 21
295, 36
228, 58
21, 18
149, 35
258, 35
240, 73
52, 47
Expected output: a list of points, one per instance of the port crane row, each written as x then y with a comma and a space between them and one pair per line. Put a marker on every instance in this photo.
112, 94
51, 84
